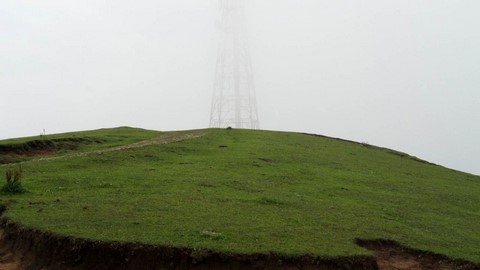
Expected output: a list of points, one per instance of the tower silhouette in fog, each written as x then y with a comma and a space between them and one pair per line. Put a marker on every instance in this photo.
233, 103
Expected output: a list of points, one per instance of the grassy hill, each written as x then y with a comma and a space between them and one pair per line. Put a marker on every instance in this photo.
243, 191
22, 149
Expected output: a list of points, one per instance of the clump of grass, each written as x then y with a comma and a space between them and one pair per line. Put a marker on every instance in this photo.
13, 179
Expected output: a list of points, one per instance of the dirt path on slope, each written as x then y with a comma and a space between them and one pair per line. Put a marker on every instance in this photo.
168, 138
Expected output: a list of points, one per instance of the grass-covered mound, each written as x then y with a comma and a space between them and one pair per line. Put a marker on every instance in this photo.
252, 191
17, 150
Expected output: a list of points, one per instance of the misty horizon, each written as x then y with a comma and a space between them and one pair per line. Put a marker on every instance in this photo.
396, 74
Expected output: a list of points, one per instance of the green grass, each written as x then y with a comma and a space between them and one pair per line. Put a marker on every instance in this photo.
254, 191
21, 149
116, 136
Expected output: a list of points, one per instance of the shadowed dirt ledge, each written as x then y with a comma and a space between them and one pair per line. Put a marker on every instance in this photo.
23, 248
34, 249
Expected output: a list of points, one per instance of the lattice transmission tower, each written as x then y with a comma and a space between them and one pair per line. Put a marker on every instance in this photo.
233, 103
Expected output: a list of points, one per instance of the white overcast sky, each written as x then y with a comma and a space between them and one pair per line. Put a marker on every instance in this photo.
403, 74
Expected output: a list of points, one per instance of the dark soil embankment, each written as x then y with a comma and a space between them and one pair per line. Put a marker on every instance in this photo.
38, 250
22, 248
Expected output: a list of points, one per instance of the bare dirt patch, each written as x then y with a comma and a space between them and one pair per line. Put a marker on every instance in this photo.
393, 256
9, 260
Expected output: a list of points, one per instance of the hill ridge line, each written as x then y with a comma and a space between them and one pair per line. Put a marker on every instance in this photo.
171, 137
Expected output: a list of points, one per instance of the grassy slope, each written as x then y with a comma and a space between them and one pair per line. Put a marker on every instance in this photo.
95, 140
110, 136
264, 191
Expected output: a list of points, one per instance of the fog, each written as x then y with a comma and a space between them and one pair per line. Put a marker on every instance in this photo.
401, 74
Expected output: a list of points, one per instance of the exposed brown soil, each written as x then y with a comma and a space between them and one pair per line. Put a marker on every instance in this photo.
40, 147
31, 249
22, 248
393, 256
33, 153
